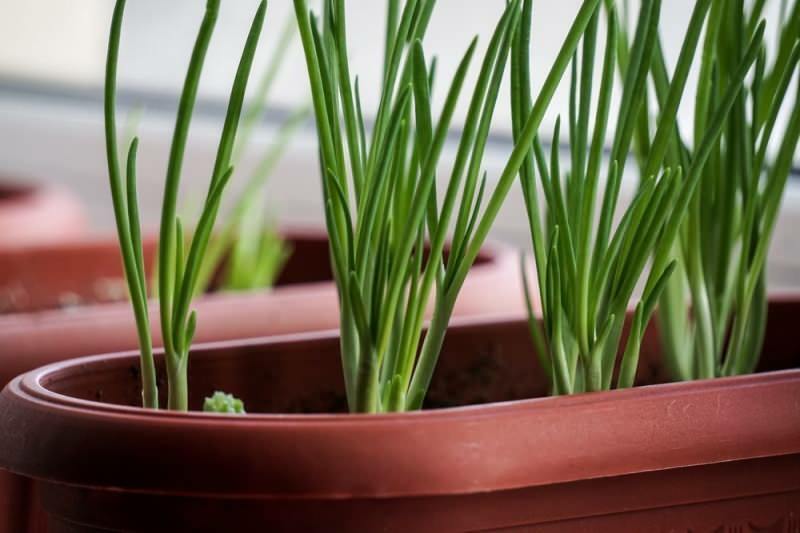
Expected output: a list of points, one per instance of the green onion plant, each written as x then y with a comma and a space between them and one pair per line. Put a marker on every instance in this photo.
712, 314
381, 203
179, 261
248, 252
587, 273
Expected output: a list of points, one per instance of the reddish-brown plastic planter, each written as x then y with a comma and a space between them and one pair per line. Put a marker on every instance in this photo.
38, 214
63, 301
717, 455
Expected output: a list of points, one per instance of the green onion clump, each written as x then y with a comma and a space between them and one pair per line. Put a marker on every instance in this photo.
713, 313
587, 273
381, 203
179, 262
249, 252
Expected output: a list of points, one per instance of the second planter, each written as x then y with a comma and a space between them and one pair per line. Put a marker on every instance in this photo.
68, 300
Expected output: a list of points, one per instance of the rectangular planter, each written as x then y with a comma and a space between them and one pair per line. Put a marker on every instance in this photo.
488, 453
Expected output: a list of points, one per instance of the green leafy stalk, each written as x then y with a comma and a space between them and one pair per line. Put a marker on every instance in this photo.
125, 203
178, 273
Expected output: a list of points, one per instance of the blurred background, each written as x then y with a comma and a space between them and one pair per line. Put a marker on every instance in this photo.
52, 55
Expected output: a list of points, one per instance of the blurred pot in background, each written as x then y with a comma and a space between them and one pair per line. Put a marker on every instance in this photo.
38, 214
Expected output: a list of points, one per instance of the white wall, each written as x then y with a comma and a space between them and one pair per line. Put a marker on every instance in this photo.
64, 41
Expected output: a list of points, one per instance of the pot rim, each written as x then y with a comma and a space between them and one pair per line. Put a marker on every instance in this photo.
32, 384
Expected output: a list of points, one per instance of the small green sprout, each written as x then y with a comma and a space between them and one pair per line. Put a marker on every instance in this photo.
221, 402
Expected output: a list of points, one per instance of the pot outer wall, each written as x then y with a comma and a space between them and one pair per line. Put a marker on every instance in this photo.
38, 215
717, 455
31, 216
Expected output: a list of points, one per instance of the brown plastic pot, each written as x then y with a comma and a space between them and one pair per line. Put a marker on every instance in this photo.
68, 300
716, 455
38, 215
